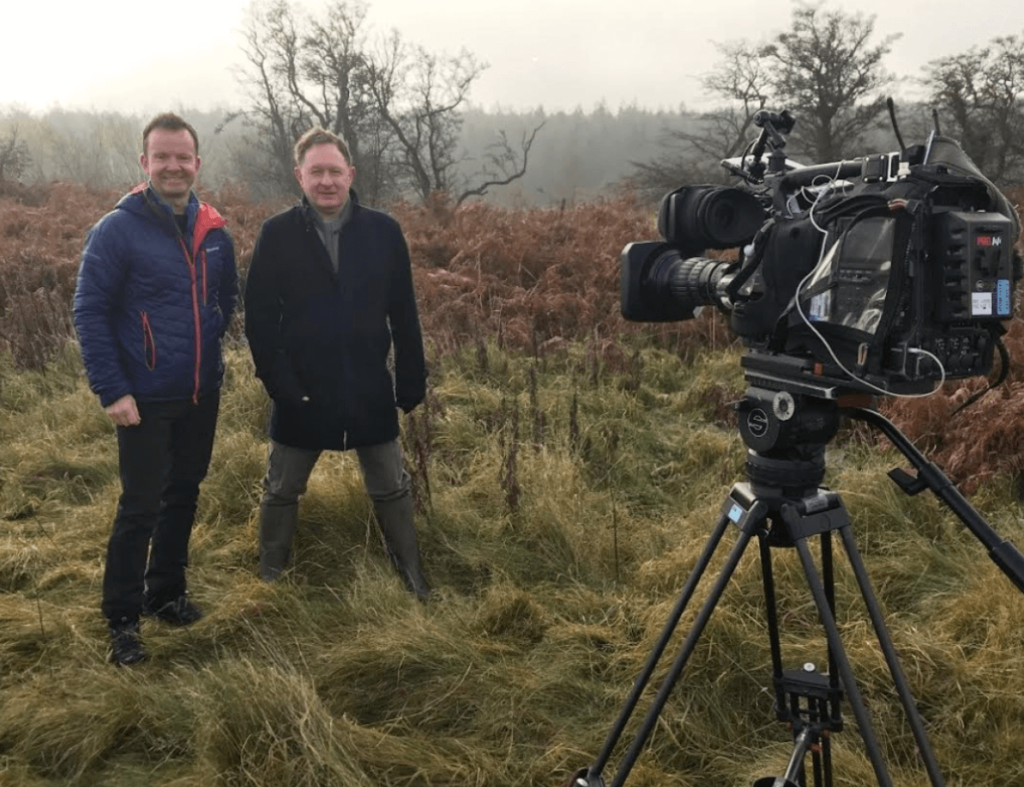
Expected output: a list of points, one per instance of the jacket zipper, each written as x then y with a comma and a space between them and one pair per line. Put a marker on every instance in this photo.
197, 324
202, 259
148, 342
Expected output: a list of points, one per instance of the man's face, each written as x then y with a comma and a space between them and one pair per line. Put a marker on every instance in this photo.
325, 178
171, 163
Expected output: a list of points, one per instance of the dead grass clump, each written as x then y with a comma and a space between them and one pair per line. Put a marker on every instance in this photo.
512, 616
97, 715
266, 725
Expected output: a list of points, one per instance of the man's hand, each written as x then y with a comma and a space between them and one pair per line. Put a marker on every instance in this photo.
123, 412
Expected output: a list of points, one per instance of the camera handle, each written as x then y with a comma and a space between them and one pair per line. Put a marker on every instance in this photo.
783, 517
774, 128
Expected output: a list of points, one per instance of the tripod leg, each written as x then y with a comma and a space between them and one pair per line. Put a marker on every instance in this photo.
889, 650
838, 652
732, 512
1003, 553
748, 521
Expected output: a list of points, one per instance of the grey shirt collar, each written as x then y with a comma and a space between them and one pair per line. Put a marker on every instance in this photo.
332, 225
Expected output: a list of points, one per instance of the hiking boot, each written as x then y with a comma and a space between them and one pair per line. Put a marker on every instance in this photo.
125, 645
179, 612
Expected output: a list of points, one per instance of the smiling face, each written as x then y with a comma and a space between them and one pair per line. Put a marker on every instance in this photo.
325, 178
171, 163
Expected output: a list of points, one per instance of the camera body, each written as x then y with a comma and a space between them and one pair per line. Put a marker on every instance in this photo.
886, 274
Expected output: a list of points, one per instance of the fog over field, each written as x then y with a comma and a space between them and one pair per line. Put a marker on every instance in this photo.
555, 54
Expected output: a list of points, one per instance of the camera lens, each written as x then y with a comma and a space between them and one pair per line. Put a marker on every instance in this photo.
687, 283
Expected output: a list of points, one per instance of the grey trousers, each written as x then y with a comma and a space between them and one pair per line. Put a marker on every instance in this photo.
289, 469
288, 472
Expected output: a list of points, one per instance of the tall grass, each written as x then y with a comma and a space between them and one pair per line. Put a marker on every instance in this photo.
545, 611
569, 469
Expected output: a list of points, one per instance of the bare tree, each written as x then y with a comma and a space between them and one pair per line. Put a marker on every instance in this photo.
825, 71
74, 151
398, 108
419, 96
120, 143
15, 157
303, 71
502, 164
979, 95
741, 81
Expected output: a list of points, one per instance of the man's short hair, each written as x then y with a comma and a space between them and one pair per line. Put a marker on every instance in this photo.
319, 136
169, 121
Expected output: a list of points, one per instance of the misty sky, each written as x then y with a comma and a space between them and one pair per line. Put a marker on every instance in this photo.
559, 54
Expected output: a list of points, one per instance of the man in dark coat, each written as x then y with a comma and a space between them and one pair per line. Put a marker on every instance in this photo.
156, 290
329, 294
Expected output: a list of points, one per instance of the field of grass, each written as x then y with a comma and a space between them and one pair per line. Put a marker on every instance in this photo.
569, 469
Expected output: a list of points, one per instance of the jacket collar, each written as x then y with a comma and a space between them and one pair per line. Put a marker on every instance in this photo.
146, 200
312, 217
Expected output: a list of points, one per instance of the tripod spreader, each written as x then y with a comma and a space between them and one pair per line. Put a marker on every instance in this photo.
807, 698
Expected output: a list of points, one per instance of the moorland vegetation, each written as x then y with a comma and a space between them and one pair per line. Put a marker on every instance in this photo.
568, 465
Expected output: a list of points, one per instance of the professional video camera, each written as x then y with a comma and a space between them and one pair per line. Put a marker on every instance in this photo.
887, 274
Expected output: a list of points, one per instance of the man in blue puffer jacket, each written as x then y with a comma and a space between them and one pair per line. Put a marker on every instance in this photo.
156, 291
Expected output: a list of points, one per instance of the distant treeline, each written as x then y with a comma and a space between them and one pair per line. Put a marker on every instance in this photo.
413, 133
578, 156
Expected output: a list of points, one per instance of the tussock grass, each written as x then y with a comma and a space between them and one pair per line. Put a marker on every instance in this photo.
569, 469
548, 602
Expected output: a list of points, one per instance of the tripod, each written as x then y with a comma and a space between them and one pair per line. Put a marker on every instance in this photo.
783, 504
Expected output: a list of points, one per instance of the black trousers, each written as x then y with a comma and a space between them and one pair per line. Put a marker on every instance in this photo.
162, 462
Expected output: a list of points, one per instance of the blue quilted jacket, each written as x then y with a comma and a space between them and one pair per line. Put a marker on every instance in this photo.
151, 305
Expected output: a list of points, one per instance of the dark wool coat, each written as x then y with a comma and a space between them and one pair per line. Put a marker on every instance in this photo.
326, 336
151, 306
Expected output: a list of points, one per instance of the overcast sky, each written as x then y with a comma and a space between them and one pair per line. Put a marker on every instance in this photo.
141, 57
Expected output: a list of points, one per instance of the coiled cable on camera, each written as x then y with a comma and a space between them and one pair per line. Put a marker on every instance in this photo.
822, 191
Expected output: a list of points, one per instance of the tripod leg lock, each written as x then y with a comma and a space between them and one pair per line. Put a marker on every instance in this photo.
584, 778
911, 485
